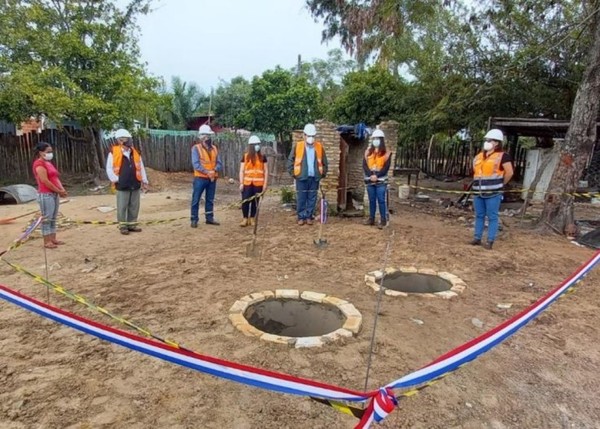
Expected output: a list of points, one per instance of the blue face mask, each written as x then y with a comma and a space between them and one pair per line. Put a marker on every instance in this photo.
257, 147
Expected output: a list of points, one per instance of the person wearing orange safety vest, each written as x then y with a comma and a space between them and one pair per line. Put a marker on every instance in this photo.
307, 164
492, 169
126, 171
254, 177
376, 164
207, 165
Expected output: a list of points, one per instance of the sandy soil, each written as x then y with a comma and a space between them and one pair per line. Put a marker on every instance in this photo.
181, 282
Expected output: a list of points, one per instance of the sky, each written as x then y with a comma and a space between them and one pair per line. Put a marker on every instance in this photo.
206, 41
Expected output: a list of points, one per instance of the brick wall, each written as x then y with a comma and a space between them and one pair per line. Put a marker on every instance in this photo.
330, 138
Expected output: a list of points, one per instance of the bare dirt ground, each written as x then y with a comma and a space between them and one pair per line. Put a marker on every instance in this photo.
180, 283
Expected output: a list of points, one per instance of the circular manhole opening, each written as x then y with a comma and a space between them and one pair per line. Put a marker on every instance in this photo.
294, 318
415, 283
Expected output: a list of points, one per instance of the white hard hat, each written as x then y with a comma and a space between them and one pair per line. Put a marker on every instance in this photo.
253, 140
378, 133
122, 133
494, 134
310, 130
205, 130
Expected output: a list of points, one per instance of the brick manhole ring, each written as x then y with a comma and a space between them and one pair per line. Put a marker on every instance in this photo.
413, 281
299, 319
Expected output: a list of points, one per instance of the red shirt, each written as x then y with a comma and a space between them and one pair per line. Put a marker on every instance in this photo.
52, 173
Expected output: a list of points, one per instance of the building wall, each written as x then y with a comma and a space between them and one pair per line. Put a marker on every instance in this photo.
328, 135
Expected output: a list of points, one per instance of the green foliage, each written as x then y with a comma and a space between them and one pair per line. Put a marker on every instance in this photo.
369, 96
288, 196
466, 61
231, 101
74, 60
327, 75
280, 102
187, 99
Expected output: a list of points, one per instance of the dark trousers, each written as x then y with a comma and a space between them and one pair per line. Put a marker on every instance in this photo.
249, 208
200, 185
306, 198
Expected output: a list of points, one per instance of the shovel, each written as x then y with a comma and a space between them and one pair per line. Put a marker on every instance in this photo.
252, 249
320, 241
8, 220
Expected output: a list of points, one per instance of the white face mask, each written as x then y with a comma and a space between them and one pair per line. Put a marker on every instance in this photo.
310, 140
487, 146
257, 147
48, 156
376, 142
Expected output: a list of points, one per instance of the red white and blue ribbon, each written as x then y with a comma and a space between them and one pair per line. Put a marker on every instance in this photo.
244, 374
382, 402
476, 347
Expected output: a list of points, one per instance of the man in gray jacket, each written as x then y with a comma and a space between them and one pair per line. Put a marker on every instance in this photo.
307, 164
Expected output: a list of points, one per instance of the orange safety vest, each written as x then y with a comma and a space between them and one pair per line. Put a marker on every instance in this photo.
254, 172
300, 155
487, 174
117, 154
375, 161
207, 159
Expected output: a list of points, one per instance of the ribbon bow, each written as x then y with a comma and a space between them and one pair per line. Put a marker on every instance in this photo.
382, 404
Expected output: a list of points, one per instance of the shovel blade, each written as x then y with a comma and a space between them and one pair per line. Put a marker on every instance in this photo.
321, 242
252, 250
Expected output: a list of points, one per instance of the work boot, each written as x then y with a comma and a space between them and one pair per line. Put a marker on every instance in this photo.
382, 224
244, 222
135, 229
124, 231
300, 222
252, 221
475, 242
309, 221
370, 221
489, 245
212, 222
194, 224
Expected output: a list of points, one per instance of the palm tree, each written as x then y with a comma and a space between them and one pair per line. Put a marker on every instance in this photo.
187, 100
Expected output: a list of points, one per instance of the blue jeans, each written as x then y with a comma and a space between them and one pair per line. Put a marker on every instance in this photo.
49, 207
200, 185
486, 207
377, 195
306, 198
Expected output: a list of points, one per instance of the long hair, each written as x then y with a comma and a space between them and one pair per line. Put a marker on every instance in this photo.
252, 155
381, 147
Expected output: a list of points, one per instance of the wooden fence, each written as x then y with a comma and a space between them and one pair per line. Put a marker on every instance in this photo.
17, 154
450, 159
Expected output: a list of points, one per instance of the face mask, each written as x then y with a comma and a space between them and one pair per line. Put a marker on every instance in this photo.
310, 140
487, 146
257, 147
376, 142
48, 156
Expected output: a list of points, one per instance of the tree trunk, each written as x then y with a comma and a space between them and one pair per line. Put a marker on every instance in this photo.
96, 154
579, 141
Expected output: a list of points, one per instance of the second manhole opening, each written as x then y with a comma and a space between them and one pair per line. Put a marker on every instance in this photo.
294, 318
415, 283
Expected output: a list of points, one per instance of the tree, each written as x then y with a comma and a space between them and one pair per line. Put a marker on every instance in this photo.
581, 136
369, 96
327, 75
77, 60
187, 100
280, 102
231, 103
